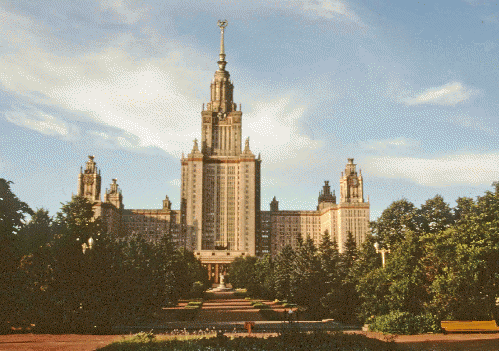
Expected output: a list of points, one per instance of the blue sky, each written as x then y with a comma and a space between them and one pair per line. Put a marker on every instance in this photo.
407, 88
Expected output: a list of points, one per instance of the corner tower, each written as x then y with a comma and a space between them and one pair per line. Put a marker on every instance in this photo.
89, 181
220, 191
351, 184
353, 211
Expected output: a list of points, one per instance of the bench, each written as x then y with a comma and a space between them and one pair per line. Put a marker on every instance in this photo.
469, 326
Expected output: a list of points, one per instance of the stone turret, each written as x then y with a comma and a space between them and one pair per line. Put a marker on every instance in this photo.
89, 181
326, 198
114, 196
274, 205
351, 184
167, 205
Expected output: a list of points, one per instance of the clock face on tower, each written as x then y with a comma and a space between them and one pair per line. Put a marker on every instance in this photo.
354, 182
88, 179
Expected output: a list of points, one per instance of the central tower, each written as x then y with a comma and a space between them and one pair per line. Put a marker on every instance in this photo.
221, 122
221, 180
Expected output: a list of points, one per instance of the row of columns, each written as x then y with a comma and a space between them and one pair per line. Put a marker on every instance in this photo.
214, 271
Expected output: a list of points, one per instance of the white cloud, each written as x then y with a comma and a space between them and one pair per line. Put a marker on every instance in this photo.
42, 122
469, 169
448, 94
274, 129
471, 122
487, 46
115, 140
329, 9
123, 10
155, 100
387, 145
476, 2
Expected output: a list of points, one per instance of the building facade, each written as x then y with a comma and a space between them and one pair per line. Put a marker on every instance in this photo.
351, 214
220, 191
220, 217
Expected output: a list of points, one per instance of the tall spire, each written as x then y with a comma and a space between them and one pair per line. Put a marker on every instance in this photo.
222, 62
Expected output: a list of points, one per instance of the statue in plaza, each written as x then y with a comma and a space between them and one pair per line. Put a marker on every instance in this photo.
222, 281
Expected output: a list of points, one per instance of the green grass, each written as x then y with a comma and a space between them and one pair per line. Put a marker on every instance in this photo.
287, 342
189, 312
241, 293
260, 306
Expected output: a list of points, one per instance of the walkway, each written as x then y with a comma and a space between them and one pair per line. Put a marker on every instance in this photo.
225, 307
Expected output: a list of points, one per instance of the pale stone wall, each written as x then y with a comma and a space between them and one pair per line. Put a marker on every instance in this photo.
350, 215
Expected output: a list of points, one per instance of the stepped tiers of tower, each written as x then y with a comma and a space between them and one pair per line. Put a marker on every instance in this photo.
220, 216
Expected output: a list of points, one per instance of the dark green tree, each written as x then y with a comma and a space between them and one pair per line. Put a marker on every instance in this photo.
264, 270
12, 215
408, 288
243, 274
331, 276
371, 283
350, 252
434, 215
12, 212
463, 261
36, 233
394, 222
306, 287
283, 266
74, 226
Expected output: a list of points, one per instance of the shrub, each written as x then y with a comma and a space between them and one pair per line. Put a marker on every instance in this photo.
197, 289
143, 337
397, 322
294, 341
259, 305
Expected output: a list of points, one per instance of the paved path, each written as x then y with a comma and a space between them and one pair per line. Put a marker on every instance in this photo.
225, 307
47, 342
442, 342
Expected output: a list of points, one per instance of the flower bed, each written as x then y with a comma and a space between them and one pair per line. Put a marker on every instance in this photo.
287, 342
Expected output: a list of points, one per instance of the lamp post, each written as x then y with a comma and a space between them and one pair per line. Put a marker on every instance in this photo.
383, 252
89, 246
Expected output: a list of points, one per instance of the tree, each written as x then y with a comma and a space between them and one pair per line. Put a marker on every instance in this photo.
12, 214
370, 280
188, 271
264, 270
408, 288
463, 209
463, 261
394, 222
36, 233
242, 274
283, 266
330, 261
331, 276
306, 287
73, 227
434, 215
350, 253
